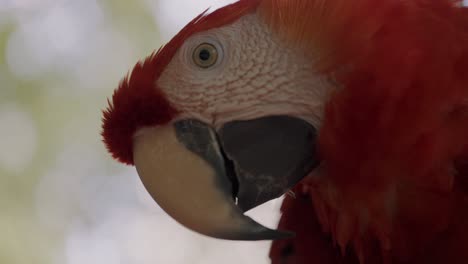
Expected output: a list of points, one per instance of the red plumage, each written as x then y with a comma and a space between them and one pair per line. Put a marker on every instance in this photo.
138, 102
394, 138
392, 187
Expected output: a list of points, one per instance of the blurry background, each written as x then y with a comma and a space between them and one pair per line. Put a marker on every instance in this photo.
62, 199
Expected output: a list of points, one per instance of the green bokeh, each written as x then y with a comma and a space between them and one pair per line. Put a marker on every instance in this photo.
60, 118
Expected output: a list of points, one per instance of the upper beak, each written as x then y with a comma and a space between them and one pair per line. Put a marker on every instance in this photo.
196, 174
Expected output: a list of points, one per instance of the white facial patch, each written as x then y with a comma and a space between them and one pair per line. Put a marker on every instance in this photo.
254, 76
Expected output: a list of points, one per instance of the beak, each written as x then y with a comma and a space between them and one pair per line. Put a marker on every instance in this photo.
196, 174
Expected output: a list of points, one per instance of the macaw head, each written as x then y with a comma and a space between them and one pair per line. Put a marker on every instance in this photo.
246, 101
220, 120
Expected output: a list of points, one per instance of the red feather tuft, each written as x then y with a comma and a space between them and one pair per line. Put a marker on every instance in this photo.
138, 102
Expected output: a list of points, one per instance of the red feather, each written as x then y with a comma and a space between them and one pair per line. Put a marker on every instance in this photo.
138, 102
395, 135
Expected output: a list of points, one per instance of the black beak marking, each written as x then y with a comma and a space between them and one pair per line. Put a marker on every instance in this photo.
270, 155
260, 159
202, 140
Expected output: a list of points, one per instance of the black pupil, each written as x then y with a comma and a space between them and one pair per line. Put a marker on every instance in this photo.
204, 55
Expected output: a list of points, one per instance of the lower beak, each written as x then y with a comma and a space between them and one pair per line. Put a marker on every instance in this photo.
196, 174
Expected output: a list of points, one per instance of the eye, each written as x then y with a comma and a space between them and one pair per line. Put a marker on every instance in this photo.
205, 55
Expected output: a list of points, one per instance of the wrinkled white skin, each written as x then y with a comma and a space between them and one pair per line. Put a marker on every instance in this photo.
256, 76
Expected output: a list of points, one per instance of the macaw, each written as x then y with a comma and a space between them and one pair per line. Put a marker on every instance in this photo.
358, 108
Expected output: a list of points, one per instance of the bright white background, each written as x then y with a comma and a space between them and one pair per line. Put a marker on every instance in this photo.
63, 200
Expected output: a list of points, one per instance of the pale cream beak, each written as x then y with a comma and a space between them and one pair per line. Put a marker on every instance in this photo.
184, 172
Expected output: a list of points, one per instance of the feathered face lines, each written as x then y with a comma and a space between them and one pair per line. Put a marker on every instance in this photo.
138, 102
